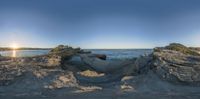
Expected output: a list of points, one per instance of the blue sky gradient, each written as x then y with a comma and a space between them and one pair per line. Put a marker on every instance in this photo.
99, 23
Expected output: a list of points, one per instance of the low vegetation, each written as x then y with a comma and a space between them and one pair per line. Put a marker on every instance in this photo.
182, 48
64, 51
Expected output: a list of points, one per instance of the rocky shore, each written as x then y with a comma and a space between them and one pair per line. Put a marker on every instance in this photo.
169, 72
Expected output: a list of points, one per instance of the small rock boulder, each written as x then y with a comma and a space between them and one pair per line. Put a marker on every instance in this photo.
101, 56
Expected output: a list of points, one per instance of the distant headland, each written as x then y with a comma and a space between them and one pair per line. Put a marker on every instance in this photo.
22, 48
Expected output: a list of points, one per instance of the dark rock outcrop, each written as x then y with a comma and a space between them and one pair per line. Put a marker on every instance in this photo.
101, 56
177, 64
65, 52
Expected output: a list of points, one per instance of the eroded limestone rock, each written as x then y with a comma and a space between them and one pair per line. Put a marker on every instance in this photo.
65, 79
90, 73
9, 73
176, 66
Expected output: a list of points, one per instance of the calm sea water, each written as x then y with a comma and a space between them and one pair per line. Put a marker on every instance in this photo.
111, 53
122, 53
23, 53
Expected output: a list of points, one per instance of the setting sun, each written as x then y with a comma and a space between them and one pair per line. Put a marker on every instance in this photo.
14, 46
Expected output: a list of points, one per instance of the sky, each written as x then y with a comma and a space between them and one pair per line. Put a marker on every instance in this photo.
99, 23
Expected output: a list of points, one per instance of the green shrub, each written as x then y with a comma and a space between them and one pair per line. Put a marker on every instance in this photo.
181, 48
66, 52
60, 48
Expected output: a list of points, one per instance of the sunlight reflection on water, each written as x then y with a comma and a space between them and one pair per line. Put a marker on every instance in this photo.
14, 53
23, 53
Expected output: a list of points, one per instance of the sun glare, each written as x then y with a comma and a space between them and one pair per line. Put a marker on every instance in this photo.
14, 46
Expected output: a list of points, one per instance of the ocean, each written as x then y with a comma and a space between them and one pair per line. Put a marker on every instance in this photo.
23, 53
111, 53
122, 53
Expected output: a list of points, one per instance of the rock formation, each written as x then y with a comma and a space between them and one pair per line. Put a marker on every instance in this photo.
9, 71
177, 63
67, 67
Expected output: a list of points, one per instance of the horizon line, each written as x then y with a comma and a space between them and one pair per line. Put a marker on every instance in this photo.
73, 47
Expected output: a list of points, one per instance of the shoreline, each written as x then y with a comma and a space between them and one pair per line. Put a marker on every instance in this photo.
10, 49
71, 73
